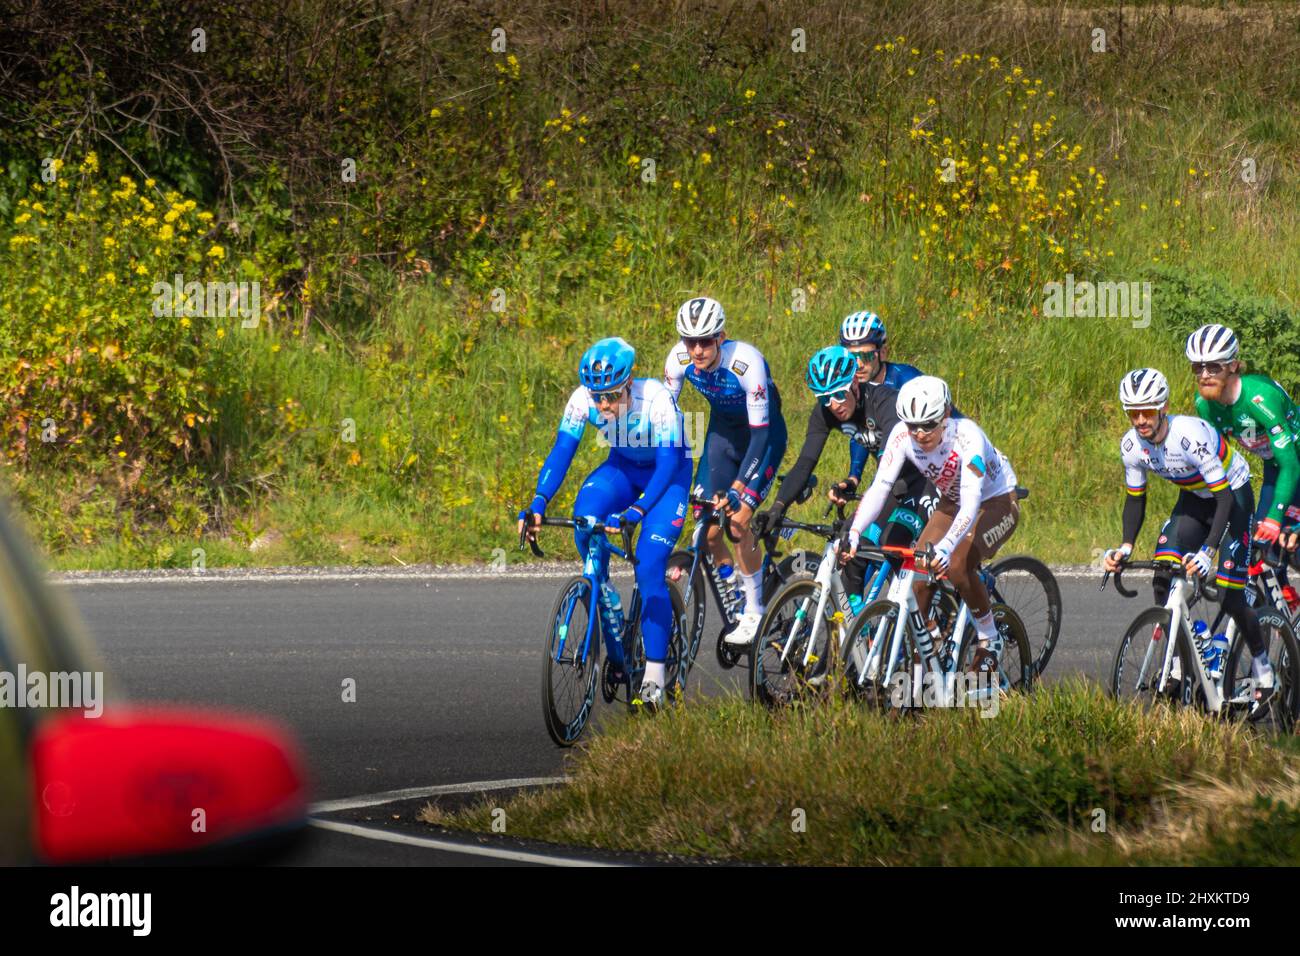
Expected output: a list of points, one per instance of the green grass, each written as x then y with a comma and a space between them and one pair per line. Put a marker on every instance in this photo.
455, 405
1065, 777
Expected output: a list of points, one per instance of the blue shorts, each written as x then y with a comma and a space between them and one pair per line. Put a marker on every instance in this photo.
724, 444
612, 487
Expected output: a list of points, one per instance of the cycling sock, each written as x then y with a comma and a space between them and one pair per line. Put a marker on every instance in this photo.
751, 583
988, 631
1260, 665
654, 672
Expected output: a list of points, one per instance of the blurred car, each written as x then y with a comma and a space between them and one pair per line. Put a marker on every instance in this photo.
137, 783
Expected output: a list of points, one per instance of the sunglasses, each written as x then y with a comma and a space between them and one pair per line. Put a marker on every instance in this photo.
609, 397
865, 357
841, 396
1211, 368
925, 427
699, 343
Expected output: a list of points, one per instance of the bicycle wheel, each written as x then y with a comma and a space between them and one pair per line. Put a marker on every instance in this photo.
1284, 655
694, 594
776, 675
677, 666
1016, 662
876, 622
569, 681
1140, 657
1027, 585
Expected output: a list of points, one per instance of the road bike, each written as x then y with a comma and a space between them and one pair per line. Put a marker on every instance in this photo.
697, 576
892, 658
1160, 657
1022, 582
571, 665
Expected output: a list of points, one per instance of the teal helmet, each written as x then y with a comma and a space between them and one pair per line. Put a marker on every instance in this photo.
606, 365
831, 370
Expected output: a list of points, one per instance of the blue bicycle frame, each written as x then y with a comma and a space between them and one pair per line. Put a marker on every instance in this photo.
595, 569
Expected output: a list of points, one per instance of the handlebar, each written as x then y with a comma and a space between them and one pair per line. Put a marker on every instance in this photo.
596, 527
1199, 586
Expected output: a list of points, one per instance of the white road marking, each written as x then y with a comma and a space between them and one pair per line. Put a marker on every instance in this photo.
516, 856
410, 793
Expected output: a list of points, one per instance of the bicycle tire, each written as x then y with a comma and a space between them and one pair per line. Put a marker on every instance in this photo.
1143, 686
634, 648
1041, 615
780, 618
564, 729
1285, 658
695, 610
876, 691
1016, 662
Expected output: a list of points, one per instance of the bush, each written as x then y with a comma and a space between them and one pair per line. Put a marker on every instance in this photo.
1269, 331
97, 376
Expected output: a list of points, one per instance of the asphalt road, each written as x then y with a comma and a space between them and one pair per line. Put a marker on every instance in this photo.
446, 670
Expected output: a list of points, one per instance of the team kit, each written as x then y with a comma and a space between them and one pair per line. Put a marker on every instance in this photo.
940, 486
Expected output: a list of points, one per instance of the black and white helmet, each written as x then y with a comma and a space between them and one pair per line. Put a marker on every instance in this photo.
922, 399
700, 318
1143, 388
1212, 343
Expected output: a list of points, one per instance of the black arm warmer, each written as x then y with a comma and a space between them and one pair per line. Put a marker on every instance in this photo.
1223, 501
1135, 510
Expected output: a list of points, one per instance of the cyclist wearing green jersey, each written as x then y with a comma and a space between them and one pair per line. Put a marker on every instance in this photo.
1258, 413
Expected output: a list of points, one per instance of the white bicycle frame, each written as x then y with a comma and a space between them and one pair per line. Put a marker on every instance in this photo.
909, 616
829, 586
1179, 614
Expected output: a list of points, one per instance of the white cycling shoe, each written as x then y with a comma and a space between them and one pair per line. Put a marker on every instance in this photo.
650, 696
744, 633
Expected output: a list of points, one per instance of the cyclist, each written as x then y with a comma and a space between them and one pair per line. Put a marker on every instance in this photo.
744, 443
645, 479
1259, 413
864, 334
865, 413
1214, 496
977, 511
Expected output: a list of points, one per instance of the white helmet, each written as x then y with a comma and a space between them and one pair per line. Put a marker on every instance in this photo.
1143, 388
923, 399
1212, 343
700, 318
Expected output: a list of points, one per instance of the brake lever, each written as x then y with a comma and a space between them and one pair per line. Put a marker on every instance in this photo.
524, 536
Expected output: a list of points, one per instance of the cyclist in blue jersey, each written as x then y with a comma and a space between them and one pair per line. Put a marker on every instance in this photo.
864, 334
645, 480
744, 443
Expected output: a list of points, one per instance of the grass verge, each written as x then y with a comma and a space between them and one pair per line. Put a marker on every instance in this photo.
1065, 777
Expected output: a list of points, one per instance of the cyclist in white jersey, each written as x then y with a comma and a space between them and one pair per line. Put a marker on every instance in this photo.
1215, 497
744, 443
977, 510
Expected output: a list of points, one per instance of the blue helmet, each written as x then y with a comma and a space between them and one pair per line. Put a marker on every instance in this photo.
862, 327
831, 370
606, 365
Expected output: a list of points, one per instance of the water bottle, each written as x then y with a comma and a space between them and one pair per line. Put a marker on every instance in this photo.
729, 589
611, 614
1199, 631
1218, 654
